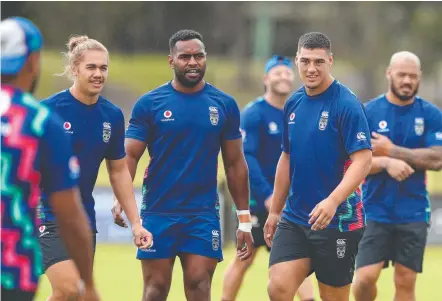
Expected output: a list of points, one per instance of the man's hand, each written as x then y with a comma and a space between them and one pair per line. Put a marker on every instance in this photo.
91, 294
268, 202
398, 169
244, 244
270, 228
117, 213
322, 214
143, 239
381, 144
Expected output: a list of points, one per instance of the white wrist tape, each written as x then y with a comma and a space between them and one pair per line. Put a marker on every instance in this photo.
245, 227
81, 287
242, 212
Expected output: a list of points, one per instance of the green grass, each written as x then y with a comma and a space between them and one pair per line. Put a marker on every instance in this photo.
118, 277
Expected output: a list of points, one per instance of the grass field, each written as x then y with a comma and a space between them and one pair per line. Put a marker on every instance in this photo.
118, 277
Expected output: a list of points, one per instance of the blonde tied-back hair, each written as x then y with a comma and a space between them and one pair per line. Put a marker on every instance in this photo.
76, 46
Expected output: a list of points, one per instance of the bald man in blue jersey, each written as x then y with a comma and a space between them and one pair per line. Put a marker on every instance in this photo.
407, 141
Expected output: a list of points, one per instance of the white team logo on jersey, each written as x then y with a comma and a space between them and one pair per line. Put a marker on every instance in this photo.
67, 126
167, 116
215, 240
323, 120
106, 131
419, 126
340, 247
383, 126
214, 116
273, 128
291, 118
361, 136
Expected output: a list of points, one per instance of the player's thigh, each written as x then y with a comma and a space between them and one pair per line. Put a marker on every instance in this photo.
157, 272
16, 295
375, 246
197, 268
288, 275
166, 236
410, 243
289, 262
64, 278
201, 235
334, 255
331, 293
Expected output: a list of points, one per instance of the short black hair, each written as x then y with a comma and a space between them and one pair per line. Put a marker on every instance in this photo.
184, 35
314, 40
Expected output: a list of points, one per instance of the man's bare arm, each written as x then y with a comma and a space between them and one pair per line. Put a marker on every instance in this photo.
134, 150
237, 172
282, 184
420, 158
121, 182
378, 164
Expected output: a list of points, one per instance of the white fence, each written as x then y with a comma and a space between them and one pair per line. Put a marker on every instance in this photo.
111, 233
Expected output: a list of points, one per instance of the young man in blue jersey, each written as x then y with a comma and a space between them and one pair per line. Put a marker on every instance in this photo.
407, 141
184, 124
35, 155
261, 128
326, 156
96, 128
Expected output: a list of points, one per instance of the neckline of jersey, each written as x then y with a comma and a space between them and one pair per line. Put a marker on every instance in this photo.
82, 104
269, 105
397, 107
328, 91
206, 84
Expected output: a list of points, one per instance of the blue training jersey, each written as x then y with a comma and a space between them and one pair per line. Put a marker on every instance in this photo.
97, 133
34, 155
320, 134
261, 127
418, 125
184, 134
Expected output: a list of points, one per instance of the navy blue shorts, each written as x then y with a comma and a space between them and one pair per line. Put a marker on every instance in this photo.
199, 235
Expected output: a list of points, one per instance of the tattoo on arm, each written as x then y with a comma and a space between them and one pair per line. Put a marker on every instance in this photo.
420, 158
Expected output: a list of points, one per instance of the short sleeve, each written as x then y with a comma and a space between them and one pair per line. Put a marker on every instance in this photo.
116, 150
140, 122
231, 128
434, 128
250, 131
353, 125
59, 168
285, 128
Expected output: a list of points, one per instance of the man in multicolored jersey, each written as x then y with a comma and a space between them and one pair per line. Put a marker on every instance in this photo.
326, 156
96, 128
407, 141
184, 124
34, 153
261, 128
